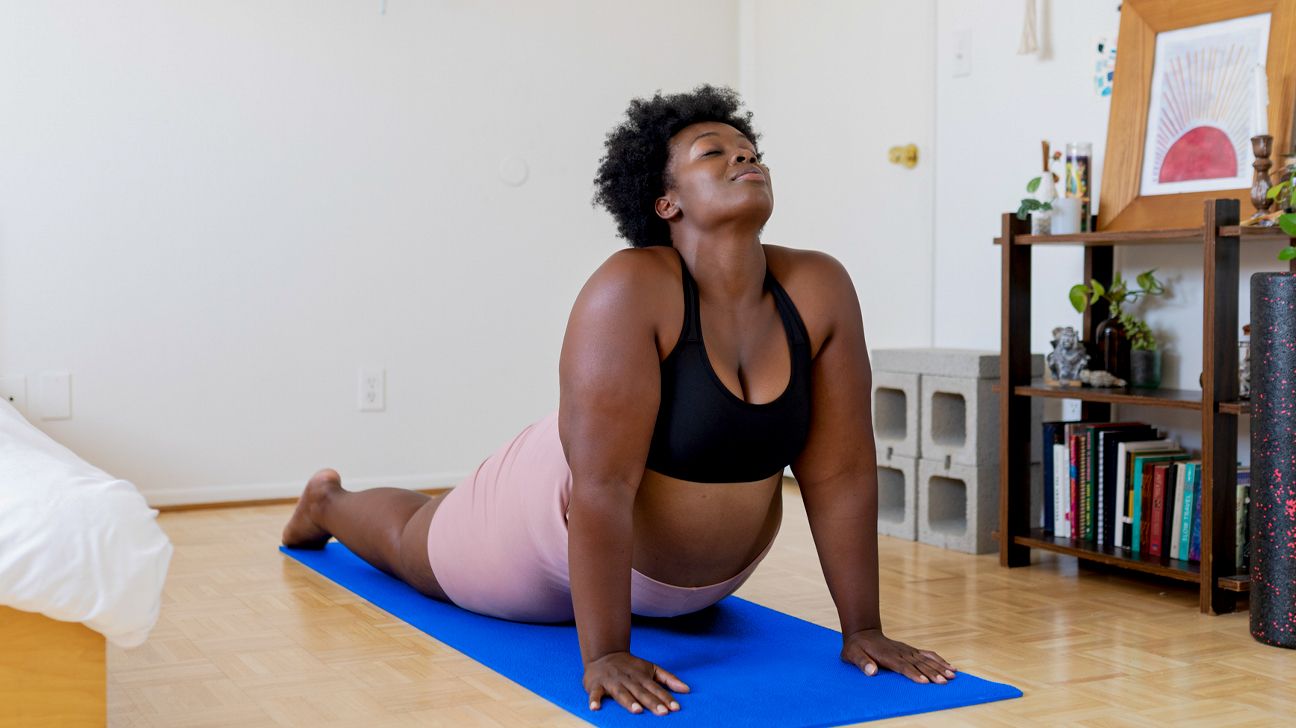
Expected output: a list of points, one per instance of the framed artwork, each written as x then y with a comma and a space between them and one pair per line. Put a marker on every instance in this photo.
1194, 81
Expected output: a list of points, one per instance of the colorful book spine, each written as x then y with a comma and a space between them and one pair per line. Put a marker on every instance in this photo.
1177, 511
1194, 546
1073, 524
1158, 509
1186, 525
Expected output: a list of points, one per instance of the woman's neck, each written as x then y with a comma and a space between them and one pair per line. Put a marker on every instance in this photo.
729, 266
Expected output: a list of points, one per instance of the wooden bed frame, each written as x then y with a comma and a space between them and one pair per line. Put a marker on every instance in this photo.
51, 673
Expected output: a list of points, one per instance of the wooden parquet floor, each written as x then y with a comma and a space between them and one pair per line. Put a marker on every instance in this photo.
248, 637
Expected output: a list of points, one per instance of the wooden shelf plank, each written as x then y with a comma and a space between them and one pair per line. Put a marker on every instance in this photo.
1168, 236
1175, 398
1171, 568
1239, 583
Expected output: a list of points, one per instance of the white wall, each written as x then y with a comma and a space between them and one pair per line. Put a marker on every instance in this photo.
831, 93
213, 213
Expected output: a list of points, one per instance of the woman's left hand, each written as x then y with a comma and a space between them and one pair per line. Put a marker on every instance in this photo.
869, 649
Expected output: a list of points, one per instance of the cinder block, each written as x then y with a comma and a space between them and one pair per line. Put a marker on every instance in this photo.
896, 424
968, 363
958, 506
960, 420
898, 498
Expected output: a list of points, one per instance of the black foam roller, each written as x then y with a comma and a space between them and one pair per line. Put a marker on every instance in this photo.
1273, 458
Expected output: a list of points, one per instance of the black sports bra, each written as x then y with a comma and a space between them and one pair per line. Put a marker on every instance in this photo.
705, 433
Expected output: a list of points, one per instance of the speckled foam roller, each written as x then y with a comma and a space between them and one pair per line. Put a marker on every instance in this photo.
1273, 458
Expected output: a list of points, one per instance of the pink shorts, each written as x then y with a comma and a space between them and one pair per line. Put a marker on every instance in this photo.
498, 541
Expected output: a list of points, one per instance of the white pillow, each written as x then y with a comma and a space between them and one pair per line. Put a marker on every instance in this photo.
76, 544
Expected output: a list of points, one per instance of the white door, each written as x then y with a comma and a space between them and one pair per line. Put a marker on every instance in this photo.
833, 86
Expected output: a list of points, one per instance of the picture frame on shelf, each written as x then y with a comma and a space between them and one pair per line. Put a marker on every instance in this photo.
1163, 159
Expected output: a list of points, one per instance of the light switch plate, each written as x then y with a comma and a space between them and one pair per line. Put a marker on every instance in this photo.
55, 395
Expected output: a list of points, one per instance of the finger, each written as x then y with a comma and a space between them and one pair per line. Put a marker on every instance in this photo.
596, 697
643, 698
865, 662
625, 698
669, 680
931, 669
947, 668
912, 672
656, 699
661, 695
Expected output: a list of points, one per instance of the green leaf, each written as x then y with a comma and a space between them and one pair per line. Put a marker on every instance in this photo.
1033, 185
1145, 281
1097, 289
1287, 253
1276, 190
1077, 295
1288, 223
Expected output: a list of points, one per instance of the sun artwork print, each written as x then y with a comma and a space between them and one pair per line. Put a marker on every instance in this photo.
1204, 107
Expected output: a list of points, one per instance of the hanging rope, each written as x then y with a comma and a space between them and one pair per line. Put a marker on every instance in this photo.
1029, 40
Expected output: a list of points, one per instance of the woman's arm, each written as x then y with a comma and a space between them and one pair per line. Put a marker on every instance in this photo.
837, 473
610, 380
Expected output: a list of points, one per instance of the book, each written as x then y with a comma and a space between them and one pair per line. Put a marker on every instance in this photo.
1240, 519
1123, 485
1176, 518
1050, 435
1108, 464
1185, 526
1141, 482
1093, 481
1059, 490
1194, 545
1156, 518
1167, 508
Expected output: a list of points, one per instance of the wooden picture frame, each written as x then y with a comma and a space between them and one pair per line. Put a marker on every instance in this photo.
1120, 205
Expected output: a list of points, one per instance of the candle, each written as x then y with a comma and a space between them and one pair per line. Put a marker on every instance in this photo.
1261, 120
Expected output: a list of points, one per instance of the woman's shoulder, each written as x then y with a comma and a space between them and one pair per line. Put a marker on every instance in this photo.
634, 277
806, 270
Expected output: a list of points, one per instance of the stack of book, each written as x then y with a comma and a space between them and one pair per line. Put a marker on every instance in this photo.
1122, 485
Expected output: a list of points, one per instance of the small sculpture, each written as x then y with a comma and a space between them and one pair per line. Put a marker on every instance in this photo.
1100, 378
1068, 357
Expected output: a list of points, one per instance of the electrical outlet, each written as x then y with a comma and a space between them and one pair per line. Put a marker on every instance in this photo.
372, 390
1071, 410
14, 391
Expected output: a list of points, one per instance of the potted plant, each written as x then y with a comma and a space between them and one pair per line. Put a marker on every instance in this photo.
1145, 358
1043, 190
1114, 343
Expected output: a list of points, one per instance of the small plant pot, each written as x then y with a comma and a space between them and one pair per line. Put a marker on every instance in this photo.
1041, 222
1145, 368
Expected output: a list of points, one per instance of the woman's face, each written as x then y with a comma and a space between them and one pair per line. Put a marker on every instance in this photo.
714, 175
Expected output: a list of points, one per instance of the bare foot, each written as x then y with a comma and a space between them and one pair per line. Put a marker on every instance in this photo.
302, 532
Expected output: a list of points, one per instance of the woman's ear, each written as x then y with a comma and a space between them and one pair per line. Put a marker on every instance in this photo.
666, 208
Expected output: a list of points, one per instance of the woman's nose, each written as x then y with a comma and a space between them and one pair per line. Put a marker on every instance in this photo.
744, 156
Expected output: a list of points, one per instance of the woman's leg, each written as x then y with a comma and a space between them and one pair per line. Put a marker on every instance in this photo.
387, 527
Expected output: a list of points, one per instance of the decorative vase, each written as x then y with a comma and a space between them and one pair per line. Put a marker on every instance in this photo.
1273, 459
1113, 348
1145, 368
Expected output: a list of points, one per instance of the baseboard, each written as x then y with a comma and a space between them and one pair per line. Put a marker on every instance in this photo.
239, 493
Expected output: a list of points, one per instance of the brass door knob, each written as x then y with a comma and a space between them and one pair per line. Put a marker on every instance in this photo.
906, 156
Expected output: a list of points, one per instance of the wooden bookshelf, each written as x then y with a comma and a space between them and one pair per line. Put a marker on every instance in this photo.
1220, 236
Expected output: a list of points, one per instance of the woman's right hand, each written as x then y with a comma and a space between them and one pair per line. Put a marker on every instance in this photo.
634, 683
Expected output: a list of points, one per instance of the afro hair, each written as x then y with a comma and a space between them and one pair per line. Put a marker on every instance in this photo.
632, 173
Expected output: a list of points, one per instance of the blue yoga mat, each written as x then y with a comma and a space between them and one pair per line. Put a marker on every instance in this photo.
747, 665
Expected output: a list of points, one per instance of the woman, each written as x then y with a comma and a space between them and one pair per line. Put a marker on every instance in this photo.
655, 488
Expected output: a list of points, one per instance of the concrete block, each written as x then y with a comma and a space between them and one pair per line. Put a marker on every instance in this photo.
960, 419
896, 424
968, 363
898, 498
958, 506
